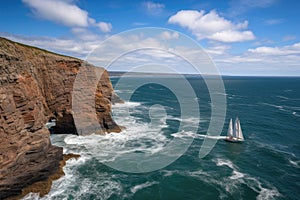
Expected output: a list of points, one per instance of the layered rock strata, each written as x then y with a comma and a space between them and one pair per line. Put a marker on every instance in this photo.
36, 86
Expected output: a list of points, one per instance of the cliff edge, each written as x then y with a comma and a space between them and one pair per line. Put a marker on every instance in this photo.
36, 86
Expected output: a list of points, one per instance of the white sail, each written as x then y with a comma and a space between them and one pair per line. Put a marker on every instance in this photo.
235, 128
234, 133
240, 132
230, 129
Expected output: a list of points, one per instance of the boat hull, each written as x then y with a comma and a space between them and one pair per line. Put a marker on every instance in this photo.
233, 141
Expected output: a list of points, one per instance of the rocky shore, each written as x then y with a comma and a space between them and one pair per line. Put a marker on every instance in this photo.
36, 86
43, 187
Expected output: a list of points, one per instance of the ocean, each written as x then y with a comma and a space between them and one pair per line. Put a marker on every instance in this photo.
139, 163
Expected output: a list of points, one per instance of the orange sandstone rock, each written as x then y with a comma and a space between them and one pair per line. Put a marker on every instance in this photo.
35, 86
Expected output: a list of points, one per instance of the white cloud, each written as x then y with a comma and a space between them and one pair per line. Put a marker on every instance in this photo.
59, 11
104, 27
232, 36
283, 56
65, 13
217, 50
212, 26
264, 60
166, 35
266, 50
71, 47
154, 8
273, 51
84, 34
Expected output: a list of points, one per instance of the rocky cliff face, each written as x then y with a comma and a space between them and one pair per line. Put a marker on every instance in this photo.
36, 85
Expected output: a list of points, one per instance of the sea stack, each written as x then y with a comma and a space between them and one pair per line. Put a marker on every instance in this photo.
36, 86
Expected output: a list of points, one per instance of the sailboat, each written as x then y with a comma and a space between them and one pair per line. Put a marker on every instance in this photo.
234, 133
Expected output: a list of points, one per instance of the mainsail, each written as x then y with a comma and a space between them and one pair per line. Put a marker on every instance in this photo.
235, 128
230, 129
234, 133
240, 133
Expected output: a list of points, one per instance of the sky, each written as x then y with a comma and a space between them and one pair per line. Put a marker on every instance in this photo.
242, 37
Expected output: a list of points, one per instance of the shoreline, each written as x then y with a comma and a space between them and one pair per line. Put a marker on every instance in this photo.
44, 187
37, 86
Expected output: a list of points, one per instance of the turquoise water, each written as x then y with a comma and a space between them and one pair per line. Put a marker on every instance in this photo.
265, 166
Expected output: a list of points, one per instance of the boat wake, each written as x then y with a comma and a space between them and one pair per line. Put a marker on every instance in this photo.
197, 136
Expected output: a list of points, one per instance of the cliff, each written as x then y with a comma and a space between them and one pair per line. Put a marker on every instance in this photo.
36, 86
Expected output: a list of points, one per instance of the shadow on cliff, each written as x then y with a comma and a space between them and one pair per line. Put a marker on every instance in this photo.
36, 86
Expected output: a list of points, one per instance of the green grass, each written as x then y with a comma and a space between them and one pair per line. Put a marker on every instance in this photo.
36, 48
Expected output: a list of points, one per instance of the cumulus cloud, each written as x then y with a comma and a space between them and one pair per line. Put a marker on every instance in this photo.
279, 57
232, 36
273, 51
104, 27
154, 8
71, 47
212, 26
166, 35
217, 50
65, 13
59, 12
267, 50
263, 60
84, 34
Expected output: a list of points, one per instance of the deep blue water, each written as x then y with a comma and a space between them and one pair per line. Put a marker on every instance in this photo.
265, 166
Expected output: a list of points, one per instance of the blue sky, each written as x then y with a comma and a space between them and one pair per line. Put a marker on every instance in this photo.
243, 37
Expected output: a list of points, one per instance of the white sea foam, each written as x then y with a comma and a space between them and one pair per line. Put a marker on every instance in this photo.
222, 162
184, 134
127, 104
231, 183
215, 137
283, 97
294, 163
142, 186
196, 135
236, 175
296, 114
167, 173
287, 109
142, 138
273, 105
198, 173
219, 93
31, 196
266, 194
102, 188
63, 188
263, 193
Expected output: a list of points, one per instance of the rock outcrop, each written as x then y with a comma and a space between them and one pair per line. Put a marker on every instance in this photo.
36, 86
